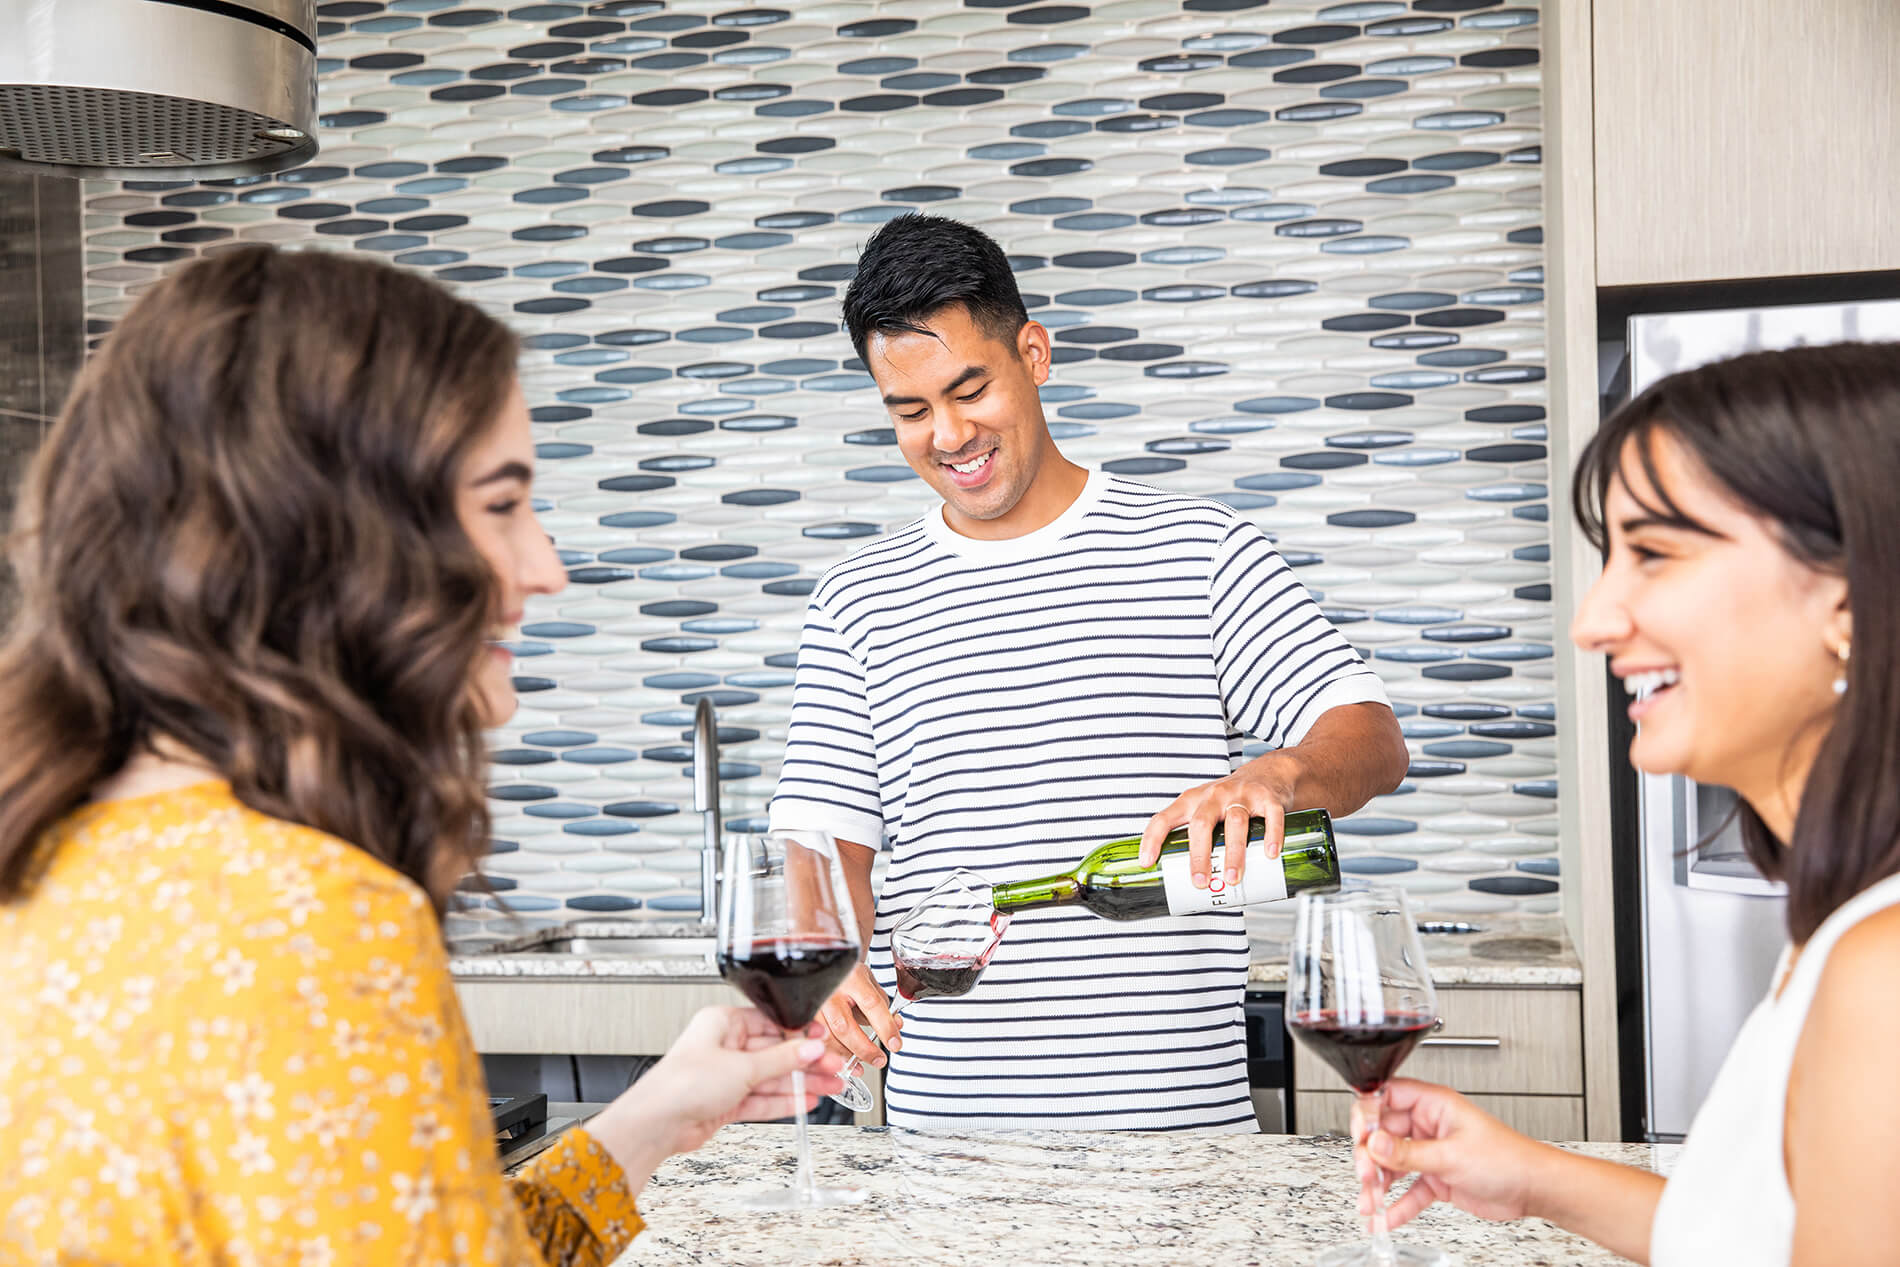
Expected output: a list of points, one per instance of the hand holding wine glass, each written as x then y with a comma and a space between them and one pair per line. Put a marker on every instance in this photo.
939, 950
1460, 1154
786, 939
1359, 996
730, 1064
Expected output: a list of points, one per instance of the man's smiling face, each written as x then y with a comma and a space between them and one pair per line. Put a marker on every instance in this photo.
968, 417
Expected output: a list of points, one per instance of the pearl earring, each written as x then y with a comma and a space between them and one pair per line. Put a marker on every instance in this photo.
1840, 679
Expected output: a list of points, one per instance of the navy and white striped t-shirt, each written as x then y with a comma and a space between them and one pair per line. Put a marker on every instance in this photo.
1006, 706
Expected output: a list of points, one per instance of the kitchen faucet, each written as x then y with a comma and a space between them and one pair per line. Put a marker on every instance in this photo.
706, 801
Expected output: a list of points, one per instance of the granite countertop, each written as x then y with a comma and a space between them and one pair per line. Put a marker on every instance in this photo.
1511, 950
1027, 1199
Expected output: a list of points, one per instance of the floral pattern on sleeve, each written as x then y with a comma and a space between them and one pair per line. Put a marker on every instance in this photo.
233, 1040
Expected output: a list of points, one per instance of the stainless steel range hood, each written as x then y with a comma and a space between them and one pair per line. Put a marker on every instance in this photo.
157, 89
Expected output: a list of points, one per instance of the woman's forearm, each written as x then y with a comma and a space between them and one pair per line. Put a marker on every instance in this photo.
1613, 1205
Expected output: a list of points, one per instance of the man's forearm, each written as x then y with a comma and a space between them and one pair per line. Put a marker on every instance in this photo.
856, 861
1352, 754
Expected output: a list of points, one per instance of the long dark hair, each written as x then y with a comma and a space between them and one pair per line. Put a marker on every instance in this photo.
241, 537
1809, 441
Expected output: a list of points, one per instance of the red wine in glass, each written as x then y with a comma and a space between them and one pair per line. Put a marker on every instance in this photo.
786, 939
938, 976
939, 950
1359, 996
788, 980
1365, 1054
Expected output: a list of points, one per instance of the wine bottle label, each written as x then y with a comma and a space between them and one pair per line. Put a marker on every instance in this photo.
1263, 881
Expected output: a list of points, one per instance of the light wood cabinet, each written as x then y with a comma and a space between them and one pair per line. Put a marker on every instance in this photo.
585, 1018
1518, 1053
1744, 138
1553, 1117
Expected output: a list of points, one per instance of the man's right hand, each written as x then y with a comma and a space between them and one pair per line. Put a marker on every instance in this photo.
859, 1002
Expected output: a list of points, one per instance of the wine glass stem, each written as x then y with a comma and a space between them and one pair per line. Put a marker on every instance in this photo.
807, 1185
1371, 1110
852, 1065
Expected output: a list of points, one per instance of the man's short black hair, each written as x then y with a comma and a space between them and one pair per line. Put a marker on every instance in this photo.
917, 264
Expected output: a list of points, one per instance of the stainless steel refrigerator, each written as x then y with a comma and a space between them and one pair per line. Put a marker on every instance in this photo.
1699, 928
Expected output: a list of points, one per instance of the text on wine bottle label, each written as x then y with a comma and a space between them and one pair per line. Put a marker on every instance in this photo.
1264, 881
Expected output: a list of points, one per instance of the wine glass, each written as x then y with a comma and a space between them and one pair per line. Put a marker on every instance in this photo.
940, 950
1359, 996
787, 939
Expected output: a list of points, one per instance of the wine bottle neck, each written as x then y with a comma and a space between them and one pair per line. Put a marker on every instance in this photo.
1022, 895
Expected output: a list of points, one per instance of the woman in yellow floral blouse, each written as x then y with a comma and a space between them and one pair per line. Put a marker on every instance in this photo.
267, 557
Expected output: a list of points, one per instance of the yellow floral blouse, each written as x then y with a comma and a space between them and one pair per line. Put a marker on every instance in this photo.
225, 1039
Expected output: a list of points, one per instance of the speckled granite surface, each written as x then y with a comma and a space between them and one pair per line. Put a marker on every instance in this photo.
1512, 950
1024, 1200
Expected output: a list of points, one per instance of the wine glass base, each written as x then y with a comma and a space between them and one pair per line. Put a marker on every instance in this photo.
1363, 1255
856, 1095
800, 1198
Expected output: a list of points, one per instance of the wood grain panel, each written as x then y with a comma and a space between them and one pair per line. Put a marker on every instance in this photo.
1539, 1047
1552, 1117
1745, 138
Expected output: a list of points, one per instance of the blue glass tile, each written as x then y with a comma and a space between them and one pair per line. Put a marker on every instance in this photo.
1506, 413
758, 422
521, 756
1513, 885
1514, 729
1371, 825
521, 792
605, 902
760, 497
600, 756
1466, 672
1276, 404
881, 474
1461, 356
560, 809
1376, 866
1545, 789
1458, 120
1229, 156
1322, 461
759, 571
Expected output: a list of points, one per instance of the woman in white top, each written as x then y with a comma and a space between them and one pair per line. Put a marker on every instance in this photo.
1750, 601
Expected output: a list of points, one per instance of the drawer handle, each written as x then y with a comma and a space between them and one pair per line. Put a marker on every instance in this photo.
1484, 1043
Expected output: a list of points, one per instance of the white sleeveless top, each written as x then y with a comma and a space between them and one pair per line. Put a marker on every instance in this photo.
1728, 1201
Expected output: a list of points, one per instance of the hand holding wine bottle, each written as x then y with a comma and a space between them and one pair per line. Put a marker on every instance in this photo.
1224, 809
1114, 882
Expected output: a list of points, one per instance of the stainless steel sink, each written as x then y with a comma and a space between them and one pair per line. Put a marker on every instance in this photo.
628, 947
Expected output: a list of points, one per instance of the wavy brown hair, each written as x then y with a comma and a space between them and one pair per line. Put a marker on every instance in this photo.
241, 538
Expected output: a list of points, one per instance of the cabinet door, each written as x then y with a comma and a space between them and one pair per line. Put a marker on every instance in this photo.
1553, 1117
1744, 138
1510, 1041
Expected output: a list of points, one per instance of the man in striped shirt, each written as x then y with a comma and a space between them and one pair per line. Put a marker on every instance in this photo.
1055, 658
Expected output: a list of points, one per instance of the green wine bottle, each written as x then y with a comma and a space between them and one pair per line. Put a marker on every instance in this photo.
1112, 882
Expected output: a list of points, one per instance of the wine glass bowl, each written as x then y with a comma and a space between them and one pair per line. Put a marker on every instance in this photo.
786, 940
1359, 996
939, 950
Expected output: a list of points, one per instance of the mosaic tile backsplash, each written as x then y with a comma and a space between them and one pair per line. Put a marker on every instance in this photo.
1290, 253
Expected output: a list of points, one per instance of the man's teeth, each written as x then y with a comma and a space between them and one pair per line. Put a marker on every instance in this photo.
1644, 685
974, 464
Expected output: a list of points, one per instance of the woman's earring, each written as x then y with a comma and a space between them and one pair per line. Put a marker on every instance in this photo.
1840, 679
